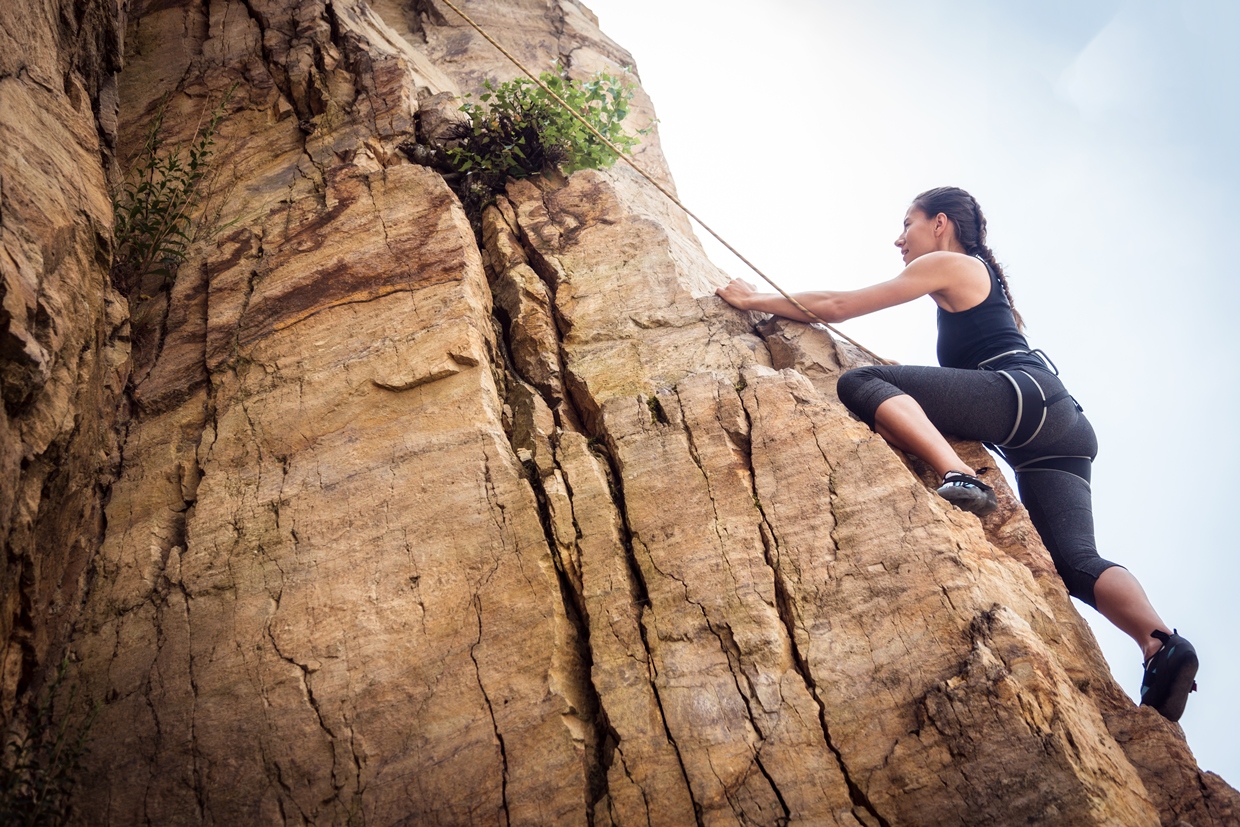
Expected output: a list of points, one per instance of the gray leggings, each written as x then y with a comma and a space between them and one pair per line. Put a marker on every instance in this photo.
981, 405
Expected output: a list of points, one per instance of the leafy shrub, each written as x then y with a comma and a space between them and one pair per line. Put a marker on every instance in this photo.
517, 130
39, 767
153, 210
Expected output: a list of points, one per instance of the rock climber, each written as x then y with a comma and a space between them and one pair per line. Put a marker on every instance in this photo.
1016, 403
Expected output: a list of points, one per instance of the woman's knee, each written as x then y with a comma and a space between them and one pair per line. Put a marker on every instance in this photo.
1081, 581
850, 384
862, 390
1080, 585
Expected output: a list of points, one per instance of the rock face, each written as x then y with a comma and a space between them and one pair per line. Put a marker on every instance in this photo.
63, 330
417, 528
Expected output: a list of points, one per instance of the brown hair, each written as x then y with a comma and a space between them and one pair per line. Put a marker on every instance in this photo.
966, 215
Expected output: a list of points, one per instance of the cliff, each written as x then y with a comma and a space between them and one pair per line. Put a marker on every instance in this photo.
405, 523
64, 337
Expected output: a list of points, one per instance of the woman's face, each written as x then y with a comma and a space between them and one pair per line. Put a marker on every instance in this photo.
918, 236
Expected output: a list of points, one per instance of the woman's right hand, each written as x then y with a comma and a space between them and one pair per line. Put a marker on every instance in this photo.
737, 293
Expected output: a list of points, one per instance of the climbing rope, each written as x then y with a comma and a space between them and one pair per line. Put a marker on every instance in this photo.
623, 156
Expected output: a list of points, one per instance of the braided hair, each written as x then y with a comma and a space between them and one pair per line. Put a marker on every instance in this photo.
966, 215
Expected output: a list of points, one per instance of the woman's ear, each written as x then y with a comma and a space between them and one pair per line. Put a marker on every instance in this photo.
943, 225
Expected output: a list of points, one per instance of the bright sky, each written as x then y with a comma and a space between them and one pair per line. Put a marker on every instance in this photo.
1100, 138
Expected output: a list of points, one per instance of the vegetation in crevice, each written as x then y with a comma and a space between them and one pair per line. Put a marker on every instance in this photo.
516, 130
165, 201
42, 759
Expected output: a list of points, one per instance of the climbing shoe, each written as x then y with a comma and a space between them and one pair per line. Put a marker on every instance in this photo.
1169, 675
968, 493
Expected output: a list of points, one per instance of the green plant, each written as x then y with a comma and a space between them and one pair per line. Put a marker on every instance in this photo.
516, 129
40, 765
658, 416
154, 207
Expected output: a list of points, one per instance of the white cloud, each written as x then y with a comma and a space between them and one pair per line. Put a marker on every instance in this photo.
1116, 74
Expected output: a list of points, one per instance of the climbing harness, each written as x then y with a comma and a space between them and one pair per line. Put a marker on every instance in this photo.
620, 154
1076, 466
1031, 401
1032, 404
1038, 352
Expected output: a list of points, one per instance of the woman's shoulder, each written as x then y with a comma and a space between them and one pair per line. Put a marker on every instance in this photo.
961, 281
948, 258
948, 269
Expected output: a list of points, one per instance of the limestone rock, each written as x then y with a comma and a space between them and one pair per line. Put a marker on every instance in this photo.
418, 526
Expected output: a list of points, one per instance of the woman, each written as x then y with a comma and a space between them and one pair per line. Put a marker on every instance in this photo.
991, 387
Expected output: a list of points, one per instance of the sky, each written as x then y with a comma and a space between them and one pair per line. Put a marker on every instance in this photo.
1100, 137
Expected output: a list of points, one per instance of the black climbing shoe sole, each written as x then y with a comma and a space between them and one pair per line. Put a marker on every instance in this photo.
1170, 676
968, 493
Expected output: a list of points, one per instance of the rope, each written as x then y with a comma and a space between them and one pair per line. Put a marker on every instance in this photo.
623, 156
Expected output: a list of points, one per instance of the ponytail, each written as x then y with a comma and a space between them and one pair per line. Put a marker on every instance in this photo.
966, 214
987, 255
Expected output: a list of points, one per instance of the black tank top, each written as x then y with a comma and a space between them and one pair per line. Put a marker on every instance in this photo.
985, 330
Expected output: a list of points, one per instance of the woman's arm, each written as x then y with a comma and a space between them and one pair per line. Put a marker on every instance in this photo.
951, 278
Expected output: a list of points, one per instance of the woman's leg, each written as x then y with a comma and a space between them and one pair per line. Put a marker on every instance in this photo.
1060, 506
911, 407
1121, 600
1170, 660
901, 421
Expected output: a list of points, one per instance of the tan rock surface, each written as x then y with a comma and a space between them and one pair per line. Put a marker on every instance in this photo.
63, 330
417, 528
